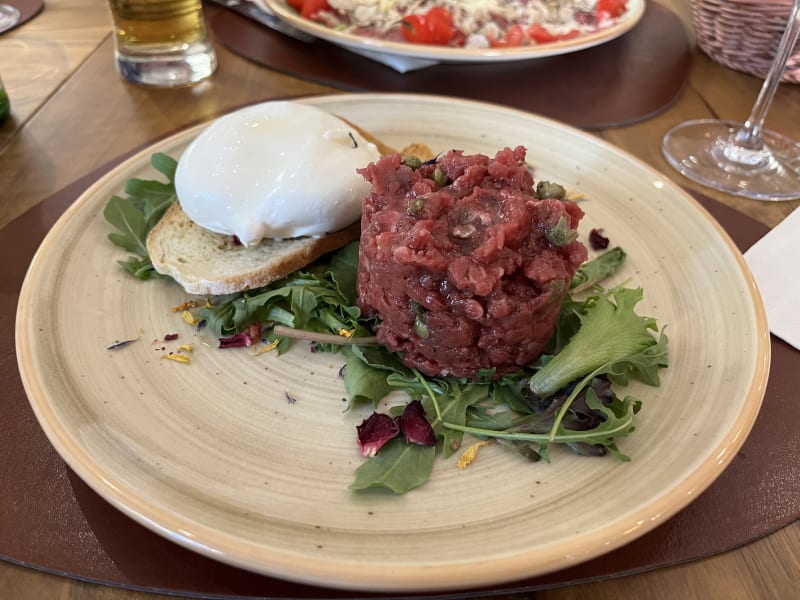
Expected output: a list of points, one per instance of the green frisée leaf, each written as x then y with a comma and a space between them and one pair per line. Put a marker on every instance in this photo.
612, 339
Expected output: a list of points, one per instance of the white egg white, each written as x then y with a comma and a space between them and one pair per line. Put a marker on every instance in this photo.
274, 170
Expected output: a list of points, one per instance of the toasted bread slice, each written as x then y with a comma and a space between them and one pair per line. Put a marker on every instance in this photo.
204, 262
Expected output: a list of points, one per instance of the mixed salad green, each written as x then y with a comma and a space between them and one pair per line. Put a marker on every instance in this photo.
565, 398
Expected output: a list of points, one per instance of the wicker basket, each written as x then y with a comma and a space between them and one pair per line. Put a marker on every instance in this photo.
744, 34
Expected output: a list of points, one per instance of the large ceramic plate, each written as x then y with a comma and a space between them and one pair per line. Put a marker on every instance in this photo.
416, 55
247, 459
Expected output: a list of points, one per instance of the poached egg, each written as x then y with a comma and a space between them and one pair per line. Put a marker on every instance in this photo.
274, 170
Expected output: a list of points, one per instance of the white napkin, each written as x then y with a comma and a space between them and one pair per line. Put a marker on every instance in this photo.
775, 263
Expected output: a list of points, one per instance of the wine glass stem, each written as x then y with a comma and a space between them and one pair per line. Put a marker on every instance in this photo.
749, 136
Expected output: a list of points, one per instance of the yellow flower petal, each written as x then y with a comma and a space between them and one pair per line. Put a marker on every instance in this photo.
186, 347
347, 332
177, 358
271, 346
189, 318
471, 453
186, 306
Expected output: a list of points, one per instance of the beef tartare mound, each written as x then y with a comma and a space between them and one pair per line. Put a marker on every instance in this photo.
463, 262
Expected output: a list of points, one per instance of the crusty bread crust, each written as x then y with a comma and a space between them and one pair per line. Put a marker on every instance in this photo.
209, 263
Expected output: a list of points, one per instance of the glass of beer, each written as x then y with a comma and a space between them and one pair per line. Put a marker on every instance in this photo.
162, 43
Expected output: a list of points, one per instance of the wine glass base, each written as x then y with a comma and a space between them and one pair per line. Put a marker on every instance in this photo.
702, 150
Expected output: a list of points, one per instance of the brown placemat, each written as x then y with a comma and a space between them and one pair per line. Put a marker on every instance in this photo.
617, 83
51, 520
27, 10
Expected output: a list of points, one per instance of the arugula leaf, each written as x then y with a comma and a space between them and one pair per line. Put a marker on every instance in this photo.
343, 270
450, 408
135, 215
313, 300
398, 467
123, 214
593, 271
362, 381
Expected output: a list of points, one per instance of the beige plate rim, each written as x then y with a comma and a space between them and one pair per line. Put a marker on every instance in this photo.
403, 576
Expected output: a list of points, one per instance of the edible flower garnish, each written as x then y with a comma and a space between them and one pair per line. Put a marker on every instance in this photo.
379, 428
184, 306
471, 453
597, 240
415, 427
246, 338
375, 431
180, 358
268, 347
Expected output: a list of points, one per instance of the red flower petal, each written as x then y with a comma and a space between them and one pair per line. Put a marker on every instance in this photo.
375, 431
415, 426
237, 340
248, 337
597, 240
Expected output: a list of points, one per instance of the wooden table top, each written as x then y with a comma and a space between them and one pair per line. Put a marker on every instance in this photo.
68, 112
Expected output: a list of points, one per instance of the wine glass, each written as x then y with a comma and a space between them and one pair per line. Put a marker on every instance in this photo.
742, 158
9, 16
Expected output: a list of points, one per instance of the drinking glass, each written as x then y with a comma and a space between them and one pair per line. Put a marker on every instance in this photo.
162, 43
743, 158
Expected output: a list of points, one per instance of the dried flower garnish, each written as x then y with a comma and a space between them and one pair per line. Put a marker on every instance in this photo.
597, 240
121, 344
246, 338
375, 431
170, 336
267, 347
189, 304
189, 317
575, 196
180, 358
185, 348
379, 428
237, 340
414, 425
471, 453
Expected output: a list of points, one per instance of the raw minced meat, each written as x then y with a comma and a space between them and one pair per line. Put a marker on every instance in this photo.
462, 264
